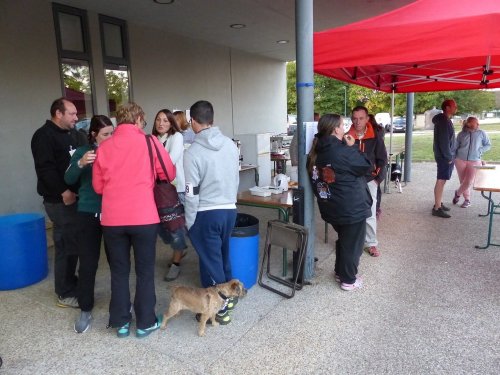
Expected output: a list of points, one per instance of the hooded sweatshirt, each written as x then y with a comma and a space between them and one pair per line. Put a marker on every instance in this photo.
444, 138
471, 145
211, 169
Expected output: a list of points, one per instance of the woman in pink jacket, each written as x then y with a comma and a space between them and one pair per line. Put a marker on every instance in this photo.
122, 174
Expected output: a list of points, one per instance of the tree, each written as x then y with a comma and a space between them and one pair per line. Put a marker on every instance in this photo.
329, 94
76, 77
291, 74
117, 86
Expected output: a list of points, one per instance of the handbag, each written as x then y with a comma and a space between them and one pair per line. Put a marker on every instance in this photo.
170, 208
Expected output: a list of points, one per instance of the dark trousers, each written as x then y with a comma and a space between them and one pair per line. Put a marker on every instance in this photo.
210, 235
348, 249
64, 234
89, 250
143, 240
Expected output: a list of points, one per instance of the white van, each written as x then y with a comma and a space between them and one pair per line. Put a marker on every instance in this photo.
383, 118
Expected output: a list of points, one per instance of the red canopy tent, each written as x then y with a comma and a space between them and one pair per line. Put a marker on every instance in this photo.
428, 45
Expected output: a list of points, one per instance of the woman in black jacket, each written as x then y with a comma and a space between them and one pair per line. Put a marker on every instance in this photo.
337, 171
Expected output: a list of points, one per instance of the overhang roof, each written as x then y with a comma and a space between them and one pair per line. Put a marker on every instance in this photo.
267, 21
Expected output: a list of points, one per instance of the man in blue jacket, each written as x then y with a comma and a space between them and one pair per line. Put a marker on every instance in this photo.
444, 144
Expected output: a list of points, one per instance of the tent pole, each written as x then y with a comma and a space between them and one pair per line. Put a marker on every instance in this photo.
305, 110
392, 121
409, 135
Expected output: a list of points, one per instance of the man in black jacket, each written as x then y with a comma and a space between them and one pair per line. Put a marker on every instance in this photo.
52, 146
371, 142
444, 144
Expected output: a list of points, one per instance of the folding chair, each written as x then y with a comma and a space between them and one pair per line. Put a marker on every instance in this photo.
287, 236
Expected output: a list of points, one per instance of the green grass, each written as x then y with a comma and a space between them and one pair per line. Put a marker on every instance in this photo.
422, 147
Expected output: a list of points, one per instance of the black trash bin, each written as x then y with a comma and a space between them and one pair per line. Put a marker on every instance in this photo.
244, 249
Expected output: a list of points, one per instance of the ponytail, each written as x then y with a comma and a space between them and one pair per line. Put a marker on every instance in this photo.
311, 158
326, 124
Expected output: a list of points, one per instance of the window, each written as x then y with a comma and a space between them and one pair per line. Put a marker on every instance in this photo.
73, 47
115, 53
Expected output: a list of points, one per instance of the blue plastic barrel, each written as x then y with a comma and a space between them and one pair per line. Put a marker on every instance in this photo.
244, 249
23, 250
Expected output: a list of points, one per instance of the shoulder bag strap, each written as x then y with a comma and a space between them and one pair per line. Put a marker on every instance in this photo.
149, 140
150, 151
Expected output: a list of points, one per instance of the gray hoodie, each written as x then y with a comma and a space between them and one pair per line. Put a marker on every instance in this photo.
210, 164
471, 145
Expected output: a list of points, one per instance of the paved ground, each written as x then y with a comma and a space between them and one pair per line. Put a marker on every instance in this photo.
430, 305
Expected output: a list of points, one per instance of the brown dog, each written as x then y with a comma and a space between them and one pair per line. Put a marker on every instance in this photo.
206, 301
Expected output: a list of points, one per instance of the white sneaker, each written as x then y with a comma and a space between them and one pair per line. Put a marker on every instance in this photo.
465, 204
173, 273
348, 287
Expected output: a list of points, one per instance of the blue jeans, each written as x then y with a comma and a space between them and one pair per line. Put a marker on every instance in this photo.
177, 239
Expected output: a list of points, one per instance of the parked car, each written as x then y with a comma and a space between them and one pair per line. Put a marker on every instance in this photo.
398, 125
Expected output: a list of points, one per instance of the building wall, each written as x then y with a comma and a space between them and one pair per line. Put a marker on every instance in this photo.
248, 92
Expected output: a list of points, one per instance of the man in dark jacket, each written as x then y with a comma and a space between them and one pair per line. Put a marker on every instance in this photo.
371, 142
444, 143
52, 146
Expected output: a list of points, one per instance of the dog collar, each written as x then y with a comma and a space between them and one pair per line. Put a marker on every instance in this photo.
222, 295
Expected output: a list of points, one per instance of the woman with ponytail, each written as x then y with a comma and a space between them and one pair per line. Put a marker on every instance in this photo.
337, 171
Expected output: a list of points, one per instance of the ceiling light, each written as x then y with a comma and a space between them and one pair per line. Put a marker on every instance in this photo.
283, 41
237, 26
164, 2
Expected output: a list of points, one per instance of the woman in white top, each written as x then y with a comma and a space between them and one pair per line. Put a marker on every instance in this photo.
169, 134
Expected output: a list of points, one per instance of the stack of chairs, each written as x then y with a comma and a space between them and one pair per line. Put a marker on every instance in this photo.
288, 236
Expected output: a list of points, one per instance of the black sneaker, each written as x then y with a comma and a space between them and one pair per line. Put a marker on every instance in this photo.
440, 213
222, 317
231, 303
444, 208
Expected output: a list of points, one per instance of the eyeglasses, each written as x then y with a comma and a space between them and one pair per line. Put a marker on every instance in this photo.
144, 124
